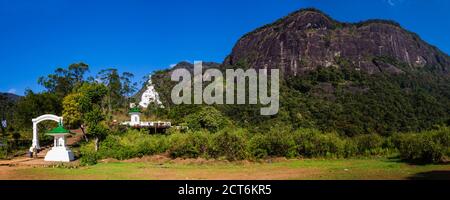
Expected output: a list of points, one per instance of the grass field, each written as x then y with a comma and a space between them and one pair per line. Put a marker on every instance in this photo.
314, 169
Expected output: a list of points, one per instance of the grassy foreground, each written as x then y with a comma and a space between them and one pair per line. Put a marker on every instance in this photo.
372, 169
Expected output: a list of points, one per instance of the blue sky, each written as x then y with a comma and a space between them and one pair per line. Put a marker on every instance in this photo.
140, 36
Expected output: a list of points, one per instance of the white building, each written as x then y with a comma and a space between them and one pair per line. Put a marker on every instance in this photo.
59, 152
135, 115
150, 96
135, 120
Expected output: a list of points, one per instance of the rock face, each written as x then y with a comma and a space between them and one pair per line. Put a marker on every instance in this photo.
308, 39
190, 66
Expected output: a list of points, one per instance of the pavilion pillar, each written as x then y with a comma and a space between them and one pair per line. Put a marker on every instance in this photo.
35, 143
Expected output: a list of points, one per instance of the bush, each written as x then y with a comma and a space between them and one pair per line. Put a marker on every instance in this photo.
190, 145
273, 144
132, 144
350, 149
230, 144
312, 143
425, 147
88, 154
258, 146
4, 150
370, 145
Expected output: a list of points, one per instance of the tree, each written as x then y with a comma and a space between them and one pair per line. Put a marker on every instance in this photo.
83, 108
208, 118
33, 105
63, 81
92, 95
77, 71
128, 86
6, 110
72, 110
96, 125
120, 87
110, 78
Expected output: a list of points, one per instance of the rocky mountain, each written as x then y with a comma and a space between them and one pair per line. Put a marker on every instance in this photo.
189, 66
350, 78
308, 39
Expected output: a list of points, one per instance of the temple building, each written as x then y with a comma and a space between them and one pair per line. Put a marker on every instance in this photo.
135, 121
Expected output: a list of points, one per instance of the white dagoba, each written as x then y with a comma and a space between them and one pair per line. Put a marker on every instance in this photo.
150, 95
59, 151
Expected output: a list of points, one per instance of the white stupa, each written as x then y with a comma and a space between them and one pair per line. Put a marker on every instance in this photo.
150, 96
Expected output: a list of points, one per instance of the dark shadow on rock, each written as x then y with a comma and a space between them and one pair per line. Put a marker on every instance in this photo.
433, 175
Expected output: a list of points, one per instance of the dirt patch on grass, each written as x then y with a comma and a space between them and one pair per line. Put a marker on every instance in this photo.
163, 158
162, 167
229, 174
153, 159
10, 172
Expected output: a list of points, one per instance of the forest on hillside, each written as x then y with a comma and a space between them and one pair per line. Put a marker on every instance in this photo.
342, 100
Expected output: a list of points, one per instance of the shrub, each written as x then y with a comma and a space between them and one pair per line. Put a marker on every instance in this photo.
3, 150
190, 145
273, 144
425, 147
230, 144
350, 148
312, 143
132, 144
88, 154
258, 146
369, 145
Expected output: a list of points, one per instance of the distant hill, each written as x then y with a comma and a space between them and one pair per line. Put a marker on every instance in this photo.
10, 96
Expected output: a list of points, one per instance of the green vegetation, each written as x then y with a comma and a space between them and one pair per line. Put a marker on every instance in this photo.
425, 147
328, 113
353, 103
338, 99
334, 112
238, 144
84, 102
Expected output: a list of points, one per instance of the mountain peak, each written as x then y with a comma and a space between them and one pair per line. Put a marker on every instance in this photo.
308, 39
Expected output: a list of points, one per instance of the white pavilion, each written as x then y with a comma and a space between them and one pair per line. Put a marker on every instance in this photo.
59, 152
